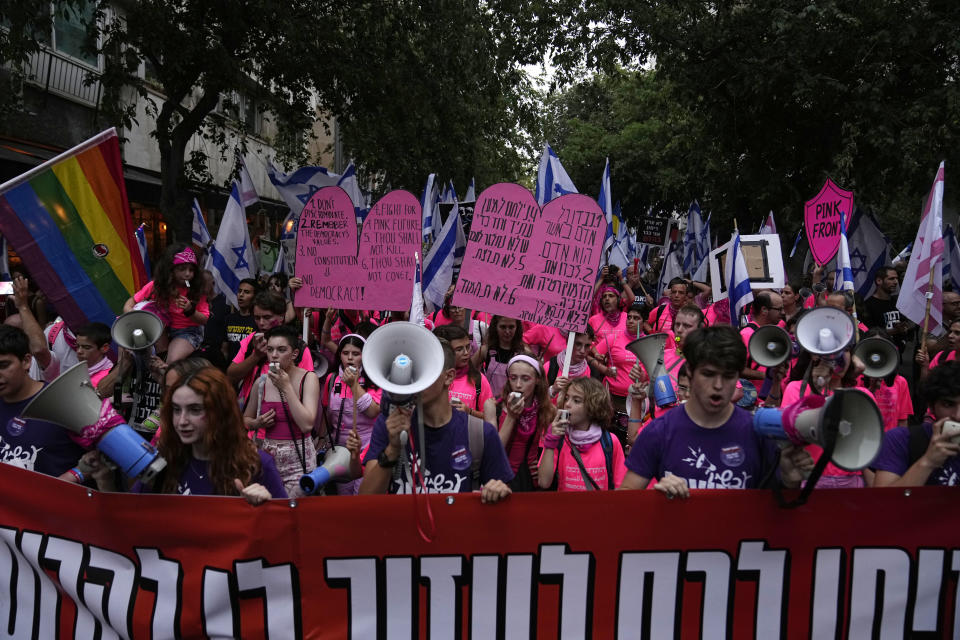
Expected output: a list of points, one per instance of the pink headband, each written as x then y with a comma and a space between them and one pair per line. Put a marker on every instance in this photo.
526, 360
185, 257
605, 288
352, 335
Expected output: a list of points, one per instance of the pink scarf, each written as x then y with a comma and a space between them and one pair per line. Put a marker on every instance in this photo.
576, 370
584, 439
528, 420
103, 365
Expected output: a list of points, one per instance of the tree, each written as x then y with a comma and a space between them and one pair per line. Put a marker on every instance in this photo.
784, 94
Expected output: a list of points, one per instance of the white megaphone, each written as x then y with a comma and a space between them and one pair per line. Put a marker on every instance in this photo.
71, 402
852, 414
880, 357
825, 331
137, 330
770, 346
336, 466
403, 359
649, 350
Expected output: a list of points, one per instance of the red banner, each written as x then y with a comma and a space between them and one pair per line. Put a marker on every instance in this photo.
602, 565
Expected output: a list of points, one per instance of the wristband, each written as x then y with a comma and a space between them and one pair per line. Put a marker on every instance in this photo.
634, 419
551, 441
77, 474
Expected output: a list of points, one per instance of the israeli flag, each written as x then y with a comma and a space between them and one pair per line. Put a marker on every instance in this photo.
606, 205
844, 272
702, 272
671, 268
869, 250
439, 263
903, 255
201, 235
298, 187
449, 194
231, 257
552, 178
5, 257
416, 304
248, 193
951, 268
349, 183
471, 192
738, 281
796, 241
141, 244
430, 206
692, 255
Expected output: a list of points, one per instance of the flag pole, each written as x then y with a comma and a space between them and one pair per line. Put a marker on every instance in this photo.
926, 315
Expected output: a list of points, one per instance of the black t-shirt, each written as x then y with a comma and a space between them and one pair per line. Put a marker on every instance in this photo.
884, 314
238, 327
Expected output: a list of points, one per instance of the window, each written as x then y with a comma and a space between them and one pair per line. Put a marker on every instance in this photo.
70, 23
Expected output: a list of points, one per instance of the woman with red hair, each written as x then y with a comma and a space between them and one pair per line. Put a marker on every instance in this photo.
206, 447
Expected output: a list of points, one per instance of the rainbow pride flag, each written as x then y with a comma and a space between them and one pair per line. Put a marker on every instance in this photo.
69, 221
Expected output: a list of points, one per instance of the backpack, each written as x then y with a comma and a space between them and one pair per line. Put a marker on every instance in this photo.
606, 443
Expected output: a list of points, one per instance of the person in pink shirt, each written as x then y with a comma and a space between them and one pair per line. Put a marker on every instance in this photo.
578, 363
892, 393
470, 390
611, 320
504, 340
176, 295
283, 408
617, 360
338, 323
950, 353
93, 343
251, 359
526, 414
820, 376
343, 391
661, 318
543, 341
579, 454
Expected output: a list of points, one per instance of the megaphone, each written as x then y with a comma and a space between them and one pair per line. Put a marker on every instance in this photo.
649, 350
770, 346
137, 330
71, 402
852, 414
880, 357
825, 331
403, 359
336, 466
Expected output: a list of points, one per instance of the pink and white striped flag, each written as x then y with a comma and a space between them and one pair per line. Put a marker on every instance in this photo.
924, 276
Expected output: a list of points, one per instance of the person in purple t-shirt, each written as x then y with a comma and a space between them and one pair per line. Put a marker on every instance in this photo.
923, 454
709, 443
206, 447
449, 459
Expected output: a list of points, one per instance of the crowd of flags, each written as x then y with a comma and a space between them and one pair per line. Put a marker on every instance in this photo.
934, 255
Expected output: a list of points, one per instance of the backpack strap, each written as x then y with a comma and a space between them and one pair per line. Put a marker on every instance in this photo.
656, 322
552, 371
917, 443
606, 443
476, 398
475, 438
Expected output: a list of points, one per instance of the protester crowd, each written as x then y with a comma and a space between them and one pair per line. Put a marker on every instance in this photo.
238, 403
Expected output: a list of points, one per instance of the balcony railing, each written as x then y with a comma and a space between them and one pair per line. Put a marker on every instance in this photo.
62, 76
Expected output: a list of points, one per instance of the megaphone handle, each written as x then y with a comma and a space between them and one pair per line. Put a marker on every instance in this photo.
829, 443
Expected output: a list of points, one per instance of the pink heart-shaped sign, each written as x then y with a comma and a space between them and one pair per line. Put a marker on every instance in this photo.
336, 273
538, 266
